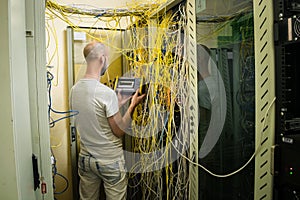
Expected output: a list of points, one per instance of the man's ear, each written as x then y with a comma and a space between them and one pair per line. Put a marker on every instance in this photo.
102, 59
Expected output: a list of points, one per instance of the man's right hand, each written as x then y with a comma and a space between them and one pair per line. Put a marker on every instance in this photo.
136, 99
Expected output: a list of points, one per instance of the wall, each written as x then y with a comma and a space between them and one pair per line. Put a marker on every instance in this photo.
59, 134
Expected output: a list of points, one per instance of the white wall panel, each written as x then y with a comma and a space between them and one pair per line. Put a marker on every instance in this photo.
16, 150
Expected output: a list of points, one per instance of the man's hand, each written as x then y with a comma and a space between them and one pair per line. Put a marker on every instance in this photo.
136, 99
118, 123
122, 99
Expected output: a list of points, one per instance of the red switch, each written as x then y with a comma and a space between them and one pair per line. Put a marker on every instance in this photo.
44, 188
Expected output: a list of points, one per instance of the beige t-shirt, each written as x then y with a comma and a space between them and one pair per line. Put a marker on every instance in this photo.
95, 103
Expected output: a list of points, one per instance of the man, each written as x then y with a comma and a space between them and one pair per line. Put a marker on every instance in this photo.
212, 101
206, 89
212, 112
206, 95
101, 127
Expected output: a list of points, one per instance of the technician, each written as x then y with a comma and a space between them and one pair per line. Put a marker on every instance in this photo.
100, 126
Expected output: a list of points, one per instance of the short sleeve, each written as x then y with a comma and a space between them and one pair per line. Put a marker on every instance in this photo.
112, 106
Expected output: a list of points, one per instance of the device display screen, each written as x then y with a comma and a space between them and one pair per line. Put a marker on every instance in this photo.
125, 84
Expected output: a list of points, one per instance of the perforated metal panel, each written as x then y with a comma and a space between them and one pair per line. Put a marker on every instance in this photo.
193, 101
264, 97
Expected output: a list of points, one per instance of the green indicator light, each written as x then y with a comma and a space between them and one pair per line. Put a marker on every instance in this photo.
291, 173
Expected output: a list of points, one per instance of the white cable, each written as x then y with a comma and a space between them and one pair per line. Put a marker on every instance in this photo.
242, 167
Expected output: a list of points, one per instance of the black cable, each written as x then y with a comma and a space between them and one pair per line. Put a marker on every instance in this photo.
67, 183
52, 122
55, 173
71, 113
